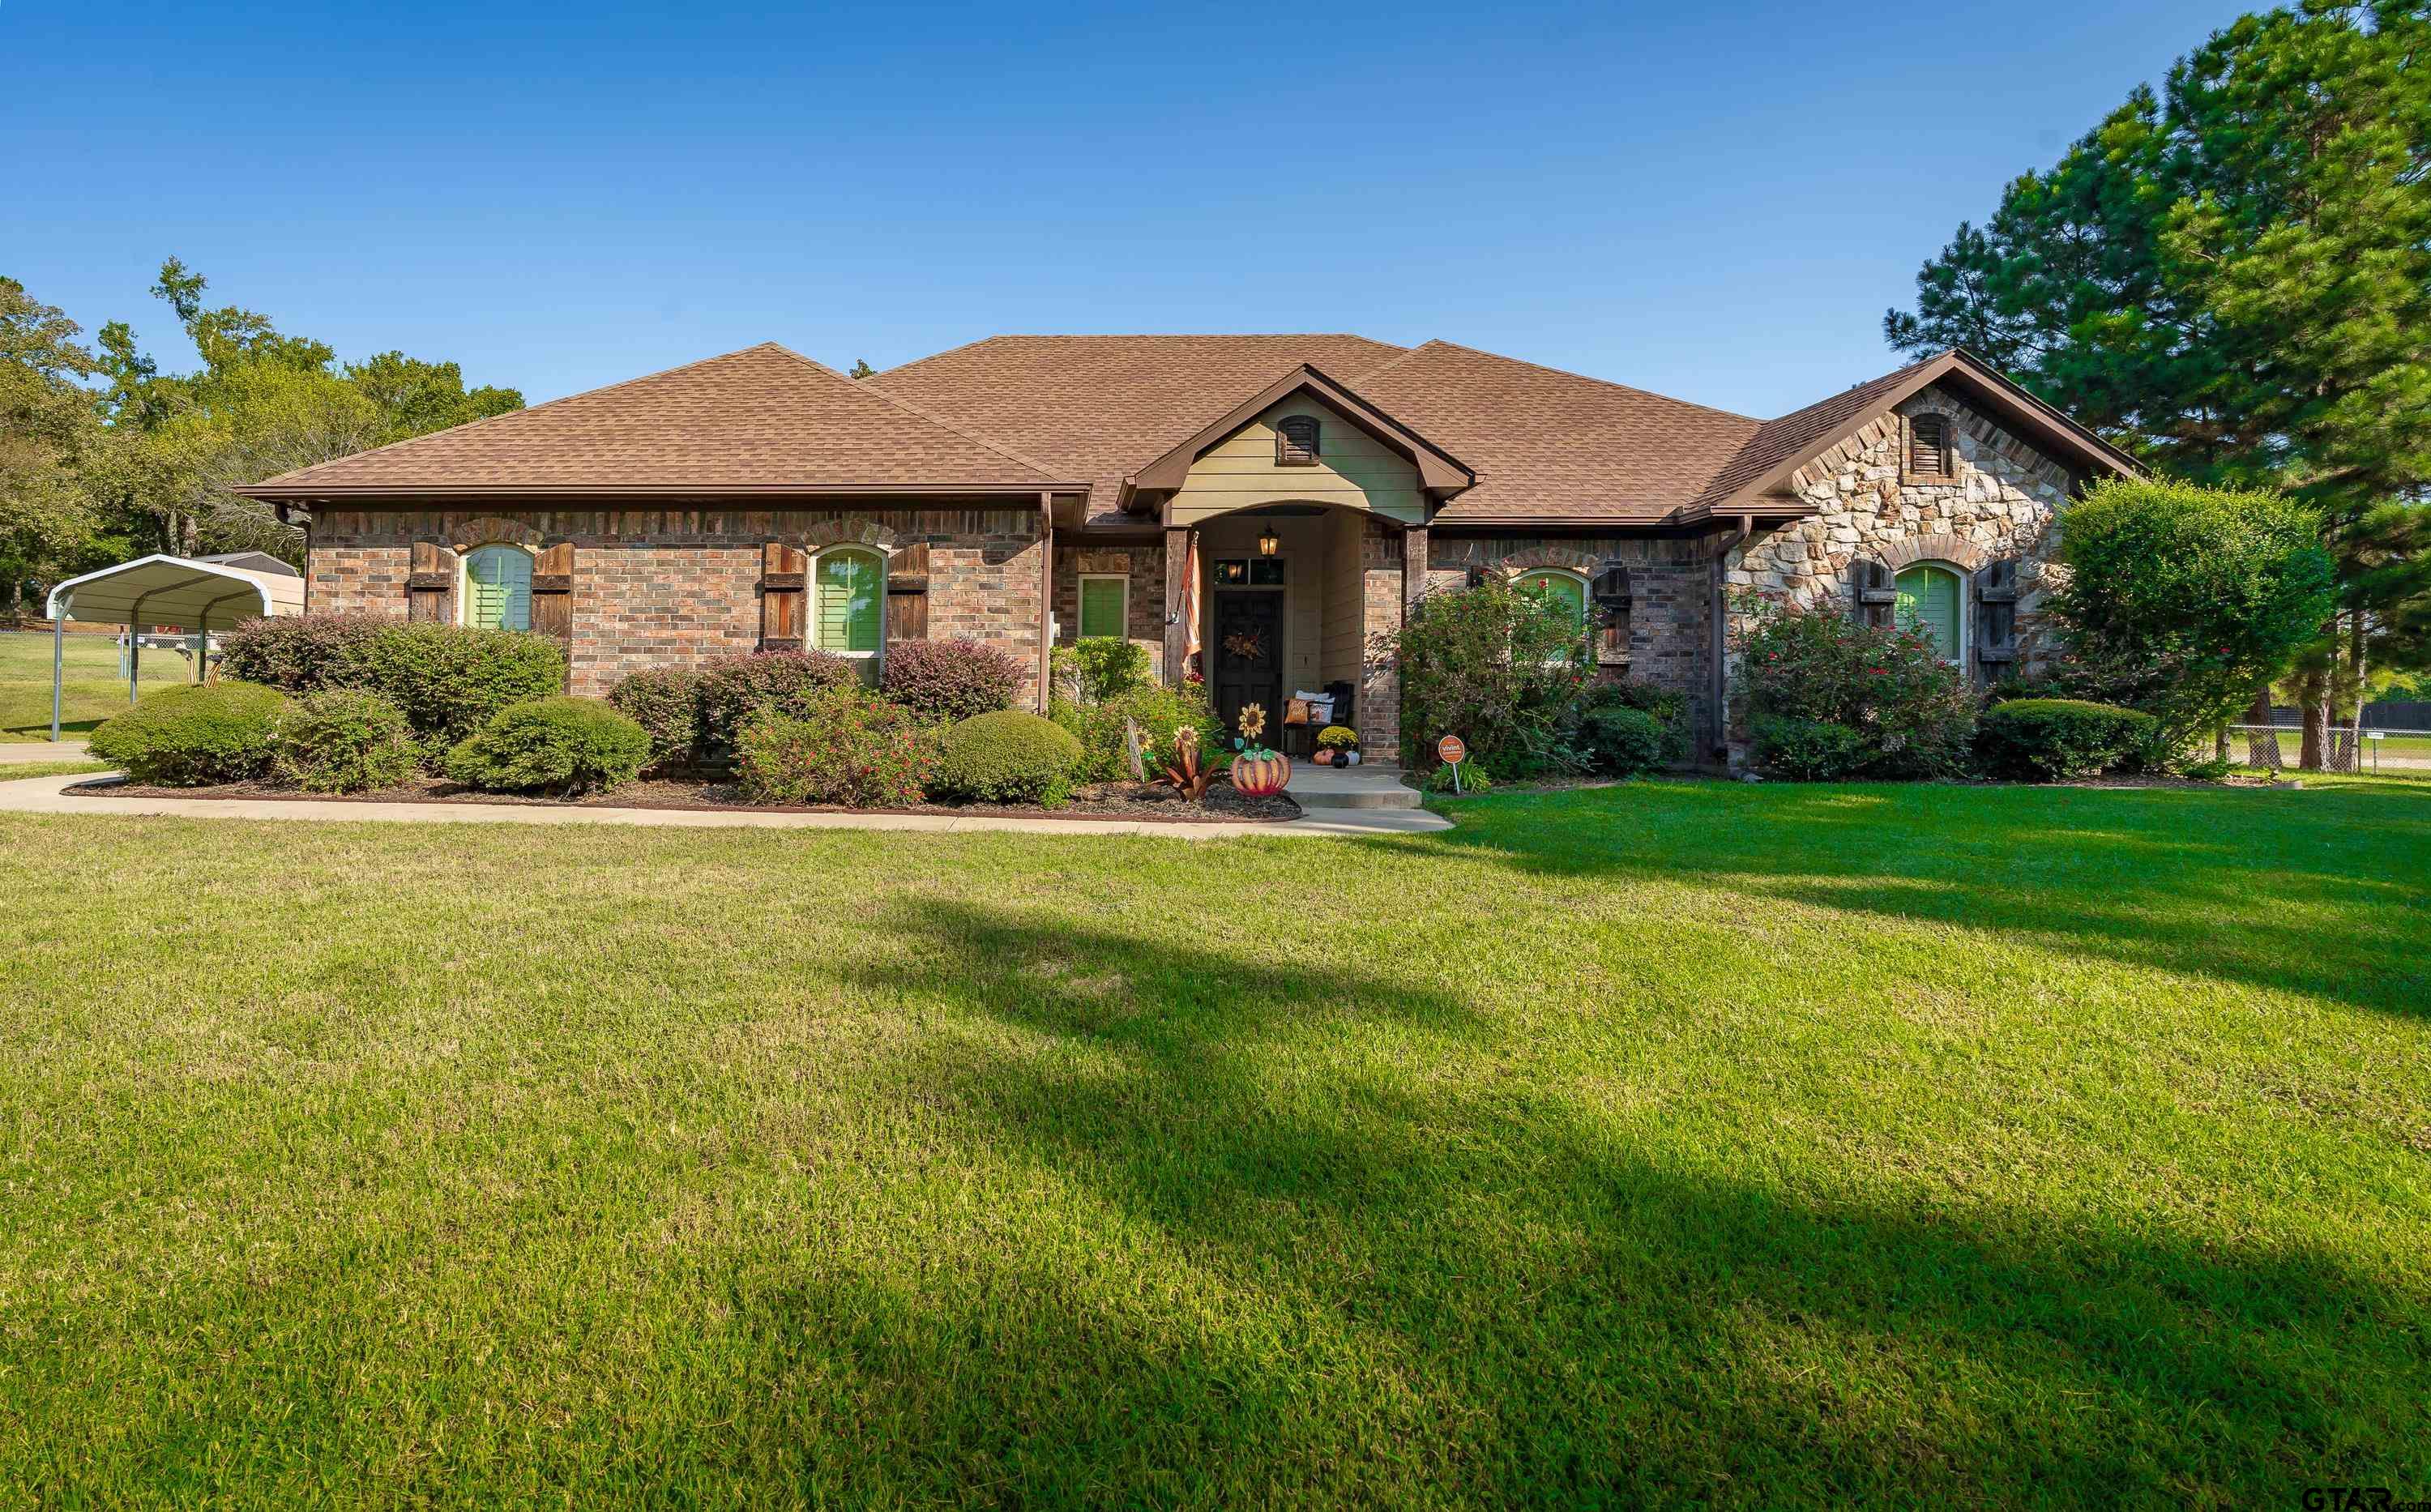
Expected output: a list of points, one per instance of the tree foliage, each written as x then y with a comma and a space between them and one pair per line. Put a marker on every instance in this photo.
104, 456
2180, 601
2232, 276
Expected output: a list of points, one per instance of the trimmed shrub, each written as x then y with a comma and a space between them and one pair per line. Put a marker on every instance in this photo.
572, 744
948, 681
190, 735
343, 740
1161, 714
301, 653
445, 679
1624, 742
1810, 750
847, 747
1913, 714
450, 680
1009, 757
734, 689
665, 702
2045, 740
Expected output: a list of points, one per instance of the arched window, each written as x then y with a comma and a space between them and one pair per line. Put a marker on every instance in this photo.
497, 588
848, 601
1567, 589
1931, 600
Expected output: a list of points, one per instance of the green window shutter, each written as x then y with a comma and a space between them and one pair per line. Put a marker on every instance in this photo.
851, 588
497, 581
1928, 601
1101, 607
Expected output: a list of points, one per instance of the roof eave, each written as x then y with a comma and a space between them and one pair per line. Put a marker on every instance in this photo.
307, 492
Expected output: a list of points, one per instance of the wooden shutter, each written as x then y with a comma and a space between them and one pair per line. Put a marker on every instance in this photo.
430, 585
907, 594
1875, 592
1296, 442
1928, 453
552, 596
1996, 620
1612, 599
783, 578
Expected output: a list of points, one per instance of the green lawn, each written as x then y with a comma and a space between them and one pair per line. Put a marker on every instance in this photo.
92, 690
1669, 1143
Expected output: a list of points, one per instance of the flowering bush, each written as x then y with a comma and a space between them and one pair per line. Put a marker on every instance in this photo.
1157, 713
949, 681
1499, 667
1911, 713
1337, 737
841, 745
1100, 669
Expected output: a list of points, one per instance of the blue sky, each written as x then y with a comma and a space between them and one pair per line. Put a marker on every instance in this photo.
1715, 202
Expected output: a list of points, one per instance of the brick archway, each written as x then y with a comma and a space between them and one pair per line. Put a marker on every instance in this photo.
1566, 559
850, 532
489, 529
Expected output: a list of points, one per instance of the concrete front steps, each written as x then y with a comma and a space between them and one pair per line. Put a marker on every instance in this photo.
1367, 785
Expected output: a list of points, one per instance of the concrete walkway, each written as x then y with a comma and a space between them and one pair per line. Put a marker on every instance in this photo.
49, 794
29, 752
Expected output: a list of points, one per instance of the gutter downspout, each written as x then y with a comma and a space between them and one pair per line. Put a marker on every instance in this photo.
1046, 601
1719, 647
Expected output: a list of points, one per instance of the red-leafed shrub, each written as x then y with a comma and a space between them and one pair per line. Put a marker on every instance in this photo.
733, 689
843, 746
1802, 672
949, 681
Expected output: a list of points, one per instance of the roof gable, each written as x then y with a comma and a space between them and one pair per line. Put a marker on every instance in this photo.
764, 420
1439, 471
1763, 468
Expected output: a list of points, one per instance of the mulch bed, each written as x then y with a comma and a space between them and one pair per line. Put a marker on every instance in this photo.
1107, 800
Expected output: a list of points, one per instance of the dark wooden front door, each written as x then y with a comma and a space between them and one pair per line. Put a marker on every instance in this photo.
1249, 659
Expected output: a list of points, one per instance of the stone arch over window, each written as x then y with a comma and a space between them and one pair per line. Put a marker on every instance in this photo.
1564, 558
862, 532
490, 530
1956, 550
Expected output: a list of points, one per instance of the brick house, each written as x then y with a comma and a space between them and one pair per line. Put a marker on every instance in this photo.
1259, 510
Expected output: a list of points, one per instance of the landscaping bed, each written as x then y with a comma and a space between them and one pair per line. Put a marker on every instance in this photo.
1102, 800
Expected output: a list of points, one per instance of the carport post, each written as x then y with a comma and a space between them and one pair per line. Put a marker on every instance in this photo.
58, 668
134, 652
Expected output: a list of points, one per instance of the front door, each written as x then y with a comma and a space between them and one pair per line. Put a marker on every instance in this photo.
1249, 659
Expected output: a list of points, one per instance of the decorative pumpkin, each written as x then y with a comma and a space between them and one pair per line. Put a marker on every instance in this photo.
1323, 757
1259, 775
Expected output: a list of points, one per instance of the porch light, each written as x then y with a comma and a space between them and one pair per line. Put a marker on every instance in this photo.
1268, 542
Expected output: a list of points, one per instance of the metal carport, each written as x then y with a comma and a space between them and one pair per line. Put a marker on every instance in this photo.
190, 592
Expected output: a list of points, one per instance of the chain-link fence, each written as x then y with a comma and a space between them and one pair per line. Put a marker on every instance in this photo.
2280, 748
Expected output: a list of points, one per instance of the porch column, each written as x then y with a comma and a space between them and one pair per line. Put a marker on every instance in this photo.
1414, 567
1046, 601
1176, 596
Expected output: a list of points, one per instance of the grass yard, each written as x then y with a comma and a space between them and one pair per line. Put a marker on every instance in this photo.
1668, 1143
92, 690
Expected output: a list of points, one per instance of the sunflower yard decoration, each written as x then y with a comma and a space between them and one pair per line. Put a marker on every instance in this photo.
1257, 771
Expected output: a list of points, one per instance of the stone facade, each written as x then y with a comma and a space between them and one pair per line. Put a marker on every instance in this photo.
2001, 504
674, 587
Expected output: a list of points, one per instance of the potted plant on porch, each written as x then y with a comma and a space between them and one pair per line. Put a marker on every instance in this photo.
1337, 746
1257, 771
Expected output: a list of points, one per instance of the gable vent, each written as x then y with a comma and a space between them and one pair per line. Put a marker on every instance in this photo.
1928, 447
1296, 442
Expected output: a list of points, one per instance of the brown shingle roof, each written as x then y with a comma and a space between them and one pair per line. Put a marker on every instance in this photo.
1802, 434
761, 419
1097, 408
1549, 444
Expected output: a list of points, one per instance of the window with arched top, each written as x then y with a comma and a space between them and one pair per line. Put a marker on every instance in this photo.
1932, 600
847, 602
1566, 589
497, 588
